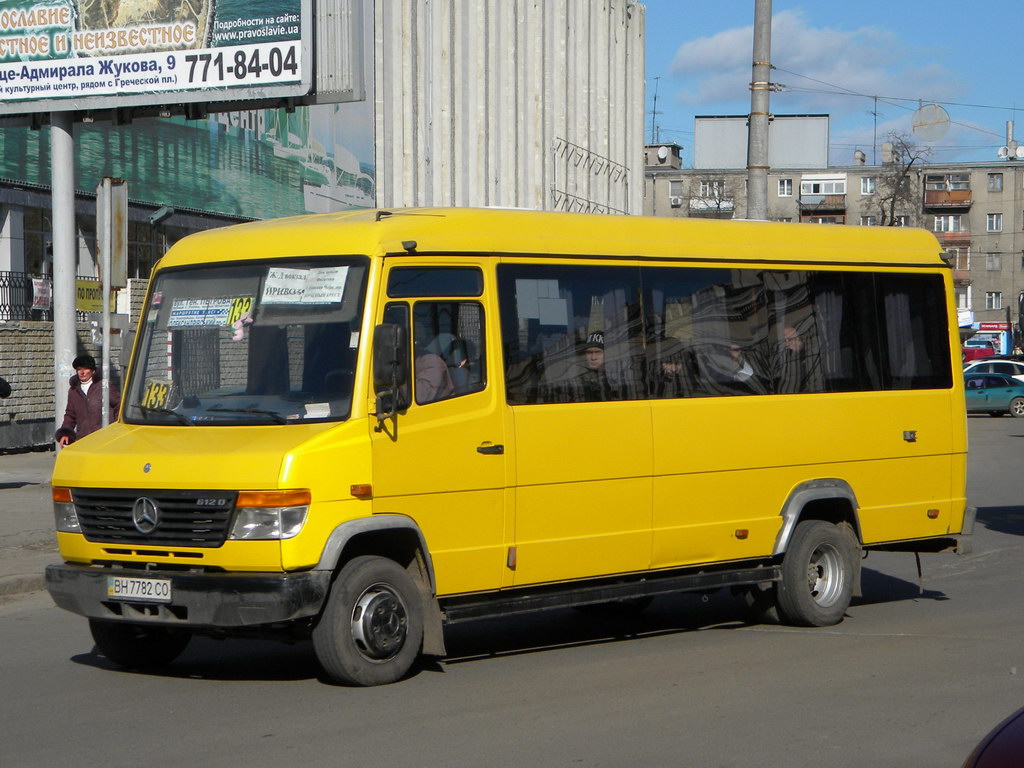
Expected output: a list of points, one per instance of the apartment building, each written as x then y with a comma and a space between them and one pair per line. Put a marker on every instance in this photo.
975, 210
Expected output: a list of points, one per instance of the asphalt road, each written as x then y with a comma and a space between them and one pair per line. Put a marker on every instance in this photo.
909, 678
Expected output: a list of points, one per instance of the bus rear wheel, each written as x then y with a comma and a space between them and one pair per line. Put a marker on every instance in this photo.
137, 646
371, 629
817, 575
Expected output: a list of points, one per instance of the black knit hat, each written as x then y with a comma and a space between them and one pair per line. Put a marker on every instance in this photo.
84, 361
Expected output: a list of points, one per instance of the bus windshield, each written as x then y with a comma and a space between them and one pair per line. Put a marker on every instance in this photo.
260, 342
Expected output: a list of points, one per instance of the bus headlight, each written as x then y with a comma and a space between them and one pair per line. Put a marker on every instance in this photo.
64, 514
269, 515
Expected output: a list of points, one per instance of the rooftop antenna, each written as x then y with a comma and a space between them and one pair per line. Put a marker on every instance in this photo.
654, 113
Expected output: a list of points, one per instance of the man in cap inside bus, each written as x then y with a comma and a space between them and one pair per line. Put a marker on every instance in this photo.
592, 382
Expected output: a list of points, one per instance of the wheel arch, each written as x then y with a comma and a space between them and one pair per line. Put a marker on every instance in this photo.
398, 538
829, 499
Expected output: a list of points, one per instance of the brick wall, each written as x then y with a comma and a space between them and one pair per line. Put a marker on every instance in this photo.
27, 418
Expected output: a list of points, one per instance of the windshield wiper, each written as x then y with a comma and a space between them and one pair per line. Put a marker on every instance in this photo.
181, 418
273, 415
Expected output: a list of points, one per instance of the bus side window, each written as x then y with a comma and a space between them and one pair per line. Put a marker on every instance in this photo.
448, 344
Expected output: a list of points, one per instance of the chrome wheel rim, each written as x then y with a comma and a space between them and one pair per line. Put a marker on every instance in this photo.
825, 575
380, 623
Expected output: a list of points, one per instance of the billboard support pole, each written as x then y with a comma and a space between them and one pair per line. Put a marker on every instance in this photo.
64, 262
104, 198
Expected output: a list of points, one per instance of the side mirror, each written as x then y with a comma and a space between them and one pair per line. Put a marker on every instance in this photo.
390, 357
390, 370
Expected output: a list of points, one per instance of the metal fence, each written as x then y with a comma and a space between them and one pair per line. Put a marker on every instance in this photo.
16, 296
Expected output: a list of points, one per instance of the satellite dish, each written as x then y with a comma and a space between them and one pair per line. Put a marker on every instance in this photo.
663, 153
930, 122
1003, 153
1020, 153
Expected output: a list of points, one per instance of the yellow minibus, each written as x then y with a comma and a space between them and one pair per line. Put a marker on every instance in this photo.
361, 427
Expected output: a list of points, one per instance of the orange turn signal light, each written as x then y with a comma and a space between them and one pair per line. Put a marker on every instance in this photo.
62, 495
273, 498
933, 513
742, 533
362, 491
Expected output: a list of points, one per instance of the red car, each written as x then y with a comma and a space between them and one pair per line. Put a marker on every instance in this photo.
975, 349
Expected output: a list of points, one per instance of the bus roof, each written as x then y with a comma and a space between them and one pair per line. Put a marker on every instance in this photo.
431, 231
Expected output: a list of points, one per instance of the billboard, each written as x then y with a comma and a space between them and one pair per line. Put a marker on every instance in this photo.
58, 55
256, 163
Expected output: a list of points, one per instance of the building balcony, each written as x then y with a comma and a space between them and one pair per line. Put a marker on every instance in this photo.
822, 203
962, 276
711, 204
947, 198
958, 239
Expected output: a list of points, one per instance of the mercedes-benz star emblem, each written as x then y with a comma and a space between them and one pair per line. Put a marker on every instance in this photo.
145, 515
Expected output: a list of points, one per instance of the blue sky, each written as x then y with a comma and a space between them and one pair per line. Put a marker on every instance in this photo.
835, 57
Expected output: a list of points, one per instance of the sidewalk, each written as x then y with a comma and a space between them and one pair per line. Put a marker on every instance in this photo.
27, 541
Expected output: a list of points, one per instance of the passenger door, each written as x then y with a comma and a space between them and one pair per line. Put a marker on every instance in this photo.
441, 462
582, 427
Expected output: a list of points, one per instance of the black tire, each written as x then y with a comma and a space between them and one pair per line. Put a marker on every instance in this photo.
371, 629
138, 646
1017, 407
817, 575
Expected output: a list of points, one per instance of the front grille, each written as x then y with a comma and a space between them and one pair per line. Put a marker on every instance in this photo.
185, 518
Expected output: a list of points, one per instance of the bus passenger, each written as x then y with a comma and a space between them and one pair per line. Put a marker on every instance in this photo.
433, 382
591, 383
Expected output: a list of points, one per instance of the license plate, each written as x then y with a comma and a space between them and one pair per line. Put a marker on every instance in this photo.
134, 589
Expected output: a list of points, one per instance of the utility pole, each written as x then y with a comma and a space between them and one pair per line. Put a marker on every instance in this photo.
757, 123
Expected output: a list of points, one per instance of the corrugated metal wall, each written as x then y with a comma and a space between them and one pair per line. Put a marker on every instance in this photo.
523, 103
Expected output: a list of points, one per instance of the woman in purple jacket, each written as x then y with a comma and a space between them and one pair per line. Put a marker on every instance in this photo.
84, 413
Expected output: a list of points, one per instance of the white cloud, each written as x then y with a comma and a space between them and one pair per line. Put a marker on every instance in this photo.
811, 62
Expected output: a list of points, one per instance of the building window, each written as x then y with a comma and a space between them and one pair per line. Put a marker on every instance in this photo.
869, 221
993, 261
995, 182
960, 258
963, 296
994, 222
675, 188
947, 181
710, 188
950, 223
783, 219
824, 220
867, 185
785, 187
902, 221
993, 300
823, 187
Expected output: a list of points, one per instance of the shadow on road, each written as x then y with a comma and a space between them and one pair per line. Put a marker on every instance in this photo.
881, 588
228, 660
241, 659
1002, 519
12, 486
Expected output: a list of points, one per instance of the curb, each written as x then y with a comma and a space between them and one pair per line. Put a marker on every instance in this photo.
21, 583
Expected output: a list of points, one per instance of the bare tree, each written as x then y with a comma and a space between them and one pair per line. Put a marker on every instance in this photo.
894, 188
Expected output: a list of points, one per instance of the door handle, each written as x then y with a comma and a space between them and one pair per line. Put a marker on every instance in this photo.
491, 448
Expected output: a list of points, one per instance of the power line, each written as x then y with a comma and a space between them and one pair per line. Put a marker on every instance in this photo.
839, 90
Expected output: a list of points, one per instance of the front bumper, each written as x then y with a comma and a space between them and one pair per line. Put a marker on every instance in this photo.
199, 599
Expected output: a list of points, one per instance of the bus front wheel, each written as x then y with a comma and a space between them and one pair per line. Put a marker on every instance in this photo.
817, 575
371, 628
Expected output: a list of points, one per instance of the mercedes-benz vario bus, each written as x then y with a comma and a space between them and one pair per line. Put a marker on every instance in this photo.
360, 427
